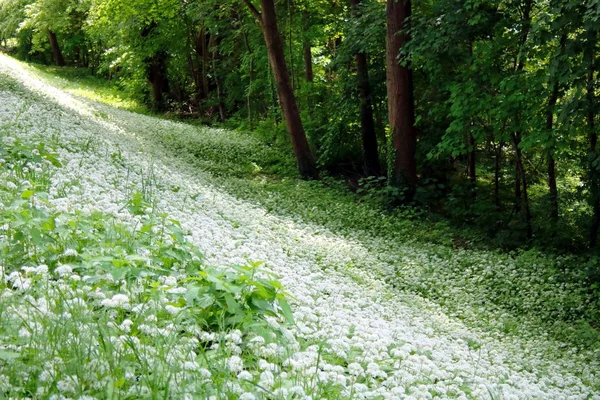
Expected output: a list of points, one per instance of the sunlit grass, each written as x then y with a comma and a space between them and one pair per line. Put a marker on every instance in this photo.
79, 82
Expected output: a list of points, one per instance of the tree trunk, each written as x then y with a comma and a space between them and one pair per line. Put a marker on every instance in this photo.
471, 163
157, 75
268, 22
400, 97
523, 178
497, 159
58, 57
202, 58
520, 177
306, 50
367, 123
308, 68
213, 46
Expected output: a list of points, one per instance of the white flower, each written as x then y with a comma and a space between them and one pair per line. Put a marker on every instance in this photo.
117, 301
235, 364
204, 373
126, 325
190, 365
63, 270
42, 269
172, 309
70, 253
245, 375
355, 369
11, 185
247, 396
267, 379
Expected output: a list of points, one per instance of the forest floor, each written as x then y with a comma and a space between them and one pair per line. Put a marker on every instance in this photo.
380, 310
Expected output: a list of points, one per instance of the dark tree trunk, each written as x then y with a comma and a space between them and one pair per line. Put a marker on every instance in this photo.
251, 79
523, 179
202, 58
213, 46
400, 97
307, 52
58, 57
268, 22
520, 177
518, 199
472, 162
497, 160
308, 68
157, 75
367, 123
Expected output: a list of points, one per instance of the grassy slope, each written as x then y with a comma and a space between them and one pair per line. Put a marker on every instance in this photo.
507, 292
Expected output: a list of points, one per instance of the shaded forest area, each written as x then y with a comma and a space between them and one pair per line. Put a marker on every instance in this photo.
484, 113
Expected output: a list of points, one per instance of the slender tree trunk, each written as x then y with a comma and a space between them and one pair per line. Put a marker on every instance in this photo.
290, 44
308, 68
400, 97
518, 199
268, 22
157, 75
472, 163
367, 123
58, 57
520, 176
497, 159
251, 79
202, 57
306, 50
213, 46
523, 178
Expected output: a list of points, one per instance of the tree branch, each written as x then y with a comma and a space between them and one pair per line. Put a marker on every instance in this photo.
254, 11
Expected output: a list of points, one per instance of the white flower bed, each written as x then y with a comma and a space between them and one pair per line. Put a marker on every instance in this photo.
354, 333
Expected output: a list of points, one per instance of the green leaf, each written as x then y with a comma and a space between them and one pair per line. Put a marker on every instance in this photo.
232, 305
6, 355
286, 310
205, 300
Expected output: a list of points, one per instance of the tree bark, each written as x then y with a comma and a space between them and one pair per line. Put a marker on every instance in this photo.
472, 162
497, 159
367, 123
308, 68
268, 22
157, 75
306, 50
400, 97
58, 57
523, 178
520, 177
213, 46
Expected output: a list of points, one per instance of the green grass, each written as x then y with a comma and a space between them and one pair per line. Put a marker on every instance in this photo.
80, 82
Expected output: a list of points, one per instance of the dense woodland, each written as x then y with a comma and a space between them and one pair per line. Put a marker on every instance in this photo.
482, 112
